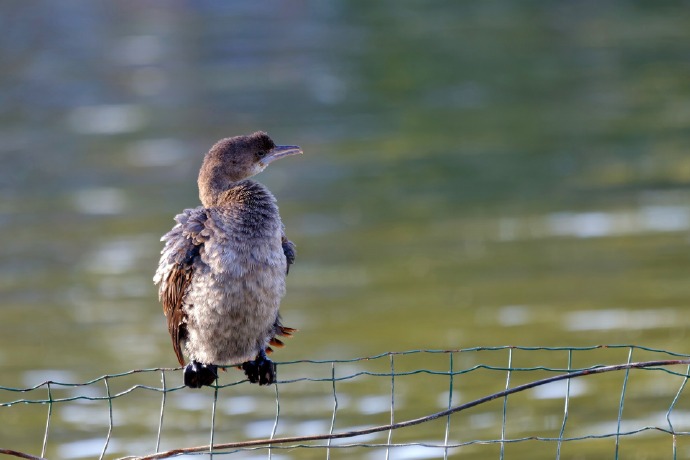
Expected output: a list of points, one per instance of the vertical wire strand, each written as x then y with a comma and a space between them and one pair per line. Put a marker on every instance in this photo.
670, 409
621, 404
110, 418
335, 408
50, 413
450, 404
160, 418
505, 404
565, 409
274, 430
213, 419
390, 432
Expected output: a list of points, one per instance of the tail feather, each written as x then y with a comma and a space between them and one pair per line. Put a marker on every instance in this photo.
285, 331
276, 342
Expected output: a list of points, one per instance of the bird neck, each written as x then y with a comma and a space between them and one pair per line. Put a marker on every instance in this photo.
211, 190
212, 186
244, 192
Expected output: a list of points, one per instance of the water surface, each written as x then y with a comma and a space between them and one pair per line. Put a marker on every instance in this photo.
474, 175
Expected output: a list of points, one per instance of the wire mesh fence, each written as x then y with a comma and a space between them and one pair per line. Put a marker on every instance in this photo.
614, 401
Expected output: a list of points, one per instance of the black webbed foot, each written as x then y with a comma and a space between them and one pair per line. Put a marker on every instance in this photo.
197, 375
261, 371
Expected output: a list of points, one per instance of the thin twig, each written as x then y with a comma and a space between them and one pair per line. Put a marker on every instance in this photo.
15, 453
420, 420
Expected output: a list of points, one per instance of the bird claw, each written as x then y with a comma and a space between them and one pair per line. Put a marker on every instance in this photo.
197, 375
261, 371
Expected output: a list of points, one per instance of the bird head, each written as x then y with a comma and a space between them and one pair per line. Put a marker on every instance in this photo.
237, 158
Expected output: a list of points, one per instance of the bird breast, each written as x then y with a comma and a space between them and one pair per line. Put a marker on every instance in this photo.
239, 280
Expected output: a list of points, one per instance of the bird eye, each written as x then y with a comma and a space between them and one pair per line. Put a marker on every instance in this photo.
261, 154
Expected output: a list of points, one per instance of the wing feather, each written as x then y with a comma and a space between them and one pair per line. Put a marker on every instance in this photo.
176, 271
290, 251
177, 284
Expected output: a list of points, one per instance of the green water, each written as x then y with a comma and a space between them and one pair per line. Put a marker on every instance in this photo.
475, 174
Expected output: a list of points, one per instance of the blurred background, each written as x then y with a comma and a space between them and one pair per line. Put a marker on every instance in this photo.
475, 173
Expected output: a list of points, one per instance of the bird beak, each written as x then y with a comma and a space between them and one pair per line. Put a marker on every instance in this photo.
280, 151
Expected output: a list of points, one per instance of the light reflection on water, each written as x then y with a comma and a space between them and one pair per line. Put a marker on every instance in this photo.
152, 153
414, 452
101, 200
238, 405
558, 390
601, 224
85, 448
514, 315
623, 319
680, 419
85, 414
38, 376
376, 404
117, 256
596, 224
107, 119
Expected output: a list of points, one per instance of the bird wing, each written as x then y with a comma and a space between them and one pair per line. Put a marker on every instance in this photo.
176, 269
290, 251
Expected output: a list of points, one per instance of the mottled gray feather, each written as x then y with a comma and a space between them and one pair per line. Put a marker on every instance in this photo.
221, 276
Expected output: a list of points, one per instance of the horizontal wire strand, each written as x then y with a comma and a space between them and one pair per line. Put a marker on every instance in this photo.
311, 441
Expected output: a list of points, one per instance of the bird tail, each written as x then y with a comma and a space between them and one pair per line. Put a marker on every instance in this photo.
282, 331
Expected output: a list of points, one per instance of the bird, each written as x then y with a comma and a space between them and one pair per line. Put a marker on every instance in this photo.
222, 270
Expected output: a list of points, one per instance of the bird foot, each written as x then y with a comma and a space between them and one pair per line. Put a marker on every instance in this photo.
197, 375
261, 371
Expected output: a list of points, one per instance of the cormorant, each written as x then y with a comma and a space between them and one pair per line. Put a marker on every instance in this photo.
222, 271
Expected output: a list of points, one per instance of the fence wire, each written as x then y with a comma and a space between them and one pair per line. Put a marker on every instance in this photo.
610, 401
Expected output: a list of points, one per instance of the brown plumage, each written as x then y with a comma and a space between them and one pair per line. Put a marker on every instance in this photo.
178, 282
